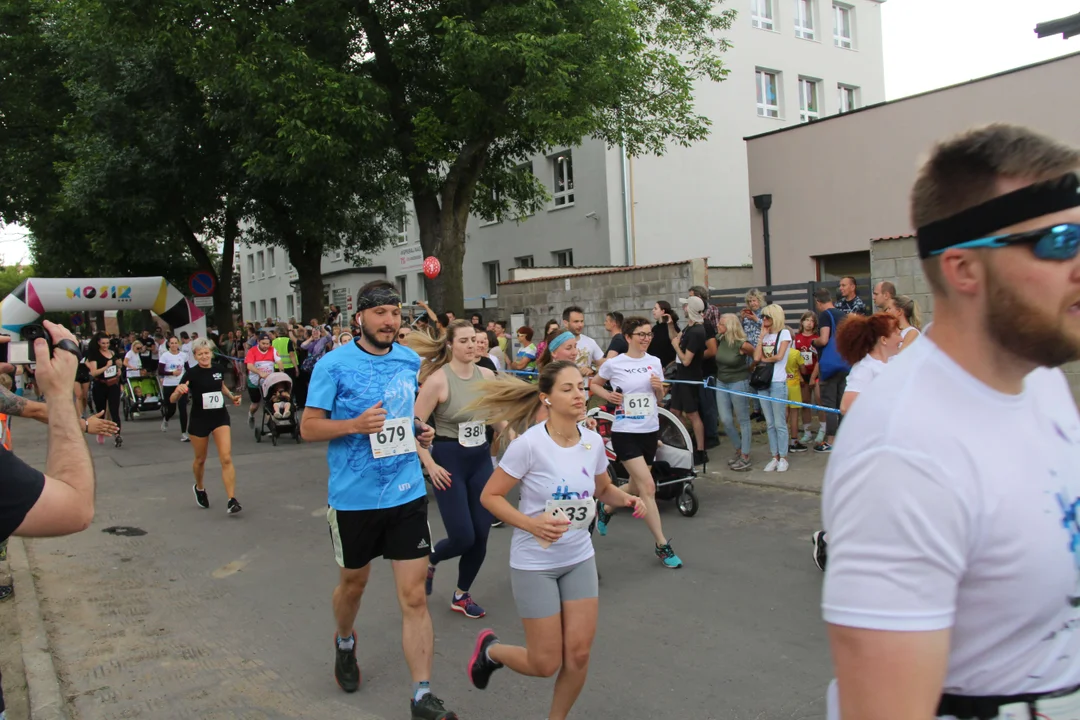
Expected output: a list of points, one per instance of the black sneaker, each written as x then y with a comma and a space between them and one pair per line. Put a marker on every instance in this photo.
480, 668
700, 457
233, 507
823, 448
6, 591
118, 441
821, 549
201, 498
431, 708
346, 671
797, 447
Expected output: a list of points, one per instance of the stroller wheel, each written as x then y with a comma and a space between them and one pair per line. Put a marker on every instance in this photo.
688, 504
258, 434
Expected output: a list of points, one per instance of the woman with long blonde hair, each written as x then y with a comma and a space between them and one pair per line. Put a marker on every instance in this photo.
459, 461
908, 318
772, 348
733, 375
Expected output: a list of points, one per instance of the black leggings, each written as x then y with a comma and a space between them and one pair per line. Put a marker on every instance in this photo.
107, 395
467, 522
170, 407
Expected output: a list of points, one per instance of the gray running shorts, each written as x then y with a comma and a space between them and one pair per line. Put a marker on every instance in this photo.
541, 593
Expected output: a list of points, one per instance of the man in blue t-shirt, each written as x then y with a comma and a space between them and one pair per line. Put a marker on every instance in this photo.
361, 400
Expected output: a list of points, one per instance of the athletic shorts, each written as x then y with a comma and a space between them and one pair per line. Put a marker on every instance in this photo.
254, 394
397, 533
541, 593
82, 374
202, 424
628, 446
686, 398
794, 394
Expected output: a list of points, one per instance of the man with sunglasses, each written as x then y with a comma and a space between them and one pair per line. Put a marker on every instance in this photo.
953, 583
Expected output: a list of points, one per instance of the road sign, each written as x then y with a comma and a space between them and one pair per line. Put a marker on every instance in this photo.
202, 283
204, 302
76, 319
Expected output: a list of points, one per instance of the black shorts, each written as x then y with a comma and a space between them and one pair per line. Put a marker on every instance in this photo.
254, 394
82, 374
202, 423
628, 446
686, 398
397, 533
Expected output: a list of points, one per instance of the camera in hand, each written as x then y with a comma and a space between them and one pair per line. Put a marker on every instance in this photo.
30, 334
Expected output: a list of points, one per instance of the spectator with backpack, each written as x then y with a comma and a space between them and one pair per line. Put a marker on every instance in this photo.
832, 369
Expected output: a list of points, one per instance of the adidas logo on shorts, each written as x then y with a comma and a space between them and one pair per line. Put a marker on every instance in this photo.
423, 544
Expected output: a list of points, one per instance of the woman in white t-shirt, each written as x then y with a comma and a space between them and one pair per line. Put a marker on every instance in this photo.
562, 470
772, 347
133, 360
637, 386
906, 312
172, 362
866, 343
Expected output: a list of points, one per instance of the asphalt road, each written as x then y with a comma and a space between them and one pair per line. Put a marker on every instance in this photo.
210, 616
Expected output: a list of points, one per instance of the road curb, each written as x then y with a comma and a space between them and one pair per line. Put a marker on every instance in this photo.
43, 685
749, 482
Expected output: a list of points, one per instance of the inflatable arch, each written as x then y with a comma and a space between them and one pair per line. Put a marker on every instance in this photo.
37, 296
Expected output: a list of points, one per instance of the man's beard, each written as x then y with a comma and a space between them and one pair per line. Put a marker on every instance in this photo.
1028, 330
374, 340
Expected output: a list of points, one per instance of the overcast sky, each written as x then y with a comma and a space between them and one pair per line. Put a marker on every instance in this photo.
928, 44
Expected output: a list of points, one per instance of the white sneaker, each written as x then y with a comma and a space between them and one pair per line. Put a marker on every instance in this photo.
805, 439
184, 437
164, 425
771, 467
782, 466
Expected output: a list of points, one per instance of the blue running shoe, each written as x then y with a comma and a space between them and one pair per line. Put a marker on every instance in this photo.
603, 517
668, 556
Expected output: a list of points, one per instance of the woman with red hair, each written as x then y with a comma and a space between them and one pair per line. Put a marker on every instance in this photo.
866, 343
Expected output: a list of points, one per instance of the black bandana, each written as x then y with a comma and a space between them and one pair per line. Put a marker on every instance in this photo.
377, 298
1006, 210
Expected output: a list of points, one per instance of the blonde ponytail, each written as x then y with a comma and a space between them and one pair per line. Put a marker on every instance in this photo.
434, 351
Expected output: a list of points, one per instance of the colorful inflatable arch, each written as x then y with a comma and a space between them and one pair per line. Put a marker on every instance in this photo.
37, 296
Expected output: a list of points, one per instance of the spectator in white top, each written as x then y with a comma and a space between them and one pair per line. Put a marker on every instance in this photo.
953, 583
590, 356
906, 312
866, 343
772, 348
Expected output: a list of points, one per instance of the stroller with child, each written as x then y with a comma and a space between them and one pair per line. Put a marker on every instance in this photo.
278, 415
141, 395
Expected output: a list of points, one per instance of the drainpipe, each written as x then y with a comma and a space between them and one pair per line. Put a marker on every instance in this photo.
763, 203
627, 202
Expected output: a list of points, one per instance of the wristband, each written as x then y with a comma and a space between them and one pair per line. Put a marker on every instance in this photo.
86, 431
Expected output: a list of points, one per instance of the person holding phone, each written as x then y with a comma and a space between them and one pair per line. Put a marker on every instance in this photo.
106, 367
562, 470
205, 385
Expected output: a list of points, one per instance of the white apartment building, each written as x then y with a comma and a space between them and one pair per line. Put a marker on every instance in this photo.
791, 61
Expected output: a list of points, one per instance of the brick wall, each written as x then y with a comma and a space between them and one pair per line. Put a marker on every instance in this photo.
631, 291
897, 260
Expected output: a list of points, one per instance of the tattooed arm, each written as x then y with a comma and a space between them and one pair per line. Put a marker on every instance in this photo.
12, 404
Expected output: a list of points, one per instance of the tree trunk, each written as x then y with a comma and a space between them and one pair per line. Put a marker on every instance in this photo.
306, 257
223, 309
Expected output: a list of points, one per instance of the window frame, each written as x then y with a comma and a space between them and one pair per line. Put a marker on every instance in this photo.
272, 261
337, 255
262, 310
402, 282
763, 108
290, 305
842, 92
522, 260
484, 222
492, 280
273, 308
803, 30
763, 21
562, 166
839, 9
558, 255
401, 236
254, 312
260, 264
421, 288
251, 267
805, 114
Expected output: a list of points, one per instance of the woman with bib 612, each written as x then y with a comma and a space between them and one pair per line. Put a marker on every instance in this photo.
562, 469
459, 462
205, 384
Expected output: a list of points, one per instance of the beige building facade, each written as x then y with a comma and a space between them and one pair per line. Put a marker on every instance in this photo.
840, 182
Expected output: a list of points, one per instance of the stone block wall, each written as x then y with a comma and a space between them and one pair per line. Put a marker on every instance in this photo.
629, 290
897, 260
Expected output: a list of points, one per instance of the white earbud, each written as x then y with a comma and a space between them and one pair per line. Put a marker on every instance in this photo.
547, 401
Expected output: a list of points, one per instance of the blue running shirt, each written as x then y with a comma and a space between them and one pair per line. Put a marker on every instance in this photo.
346, 382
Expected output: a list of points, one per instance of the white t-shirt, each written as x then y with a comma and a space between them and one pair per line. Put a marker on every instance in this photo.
863, 373
172, 361
588, 352
496, 361
770, 346
632, 377
549, 471
952, 505
185, 349
134, 363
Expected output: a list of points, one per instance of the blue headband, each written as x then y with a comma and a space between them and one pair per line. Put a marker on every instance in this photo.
560, 339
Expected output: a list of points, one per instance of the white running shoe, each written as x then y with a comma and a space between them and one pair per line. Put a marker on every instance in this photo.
782, 466
771, 467
164, 425
184, 437
806, 436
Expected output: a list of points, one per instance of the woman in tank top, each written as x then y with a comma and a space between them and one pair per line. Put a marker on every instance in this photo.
908, 317
459, 461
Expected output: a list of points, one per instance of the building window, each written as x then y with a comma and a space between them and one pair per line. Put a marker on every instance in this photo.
273, 262
251, 268
768, 103
252, 318
804, 19
809, 105
273, 308
421, 288
563, 258
848, 98
564, 180
842, 26
290, 307
262, 310
336, 256
761, 13
491, 220
402, 283
493, 277
261, 263
401, 229
526, 261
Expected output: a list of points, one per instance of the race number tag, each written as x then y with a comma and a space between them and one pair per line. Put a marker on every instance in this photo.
213, 401
807, 357
580, 512
471, 434
396, 438
638, 406
110, 371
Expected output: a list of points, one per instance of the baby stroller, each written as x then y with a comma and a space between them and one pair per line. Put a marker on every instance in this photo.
274, 421
141, 395
673, 468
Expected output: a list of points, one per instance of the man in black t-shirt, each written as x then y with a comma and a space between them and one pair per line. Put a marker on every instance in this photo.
613, 324
710, 413
690, 358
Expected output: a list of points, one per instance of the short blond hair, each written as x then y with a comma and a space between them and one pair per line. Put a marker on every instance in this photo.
775, 313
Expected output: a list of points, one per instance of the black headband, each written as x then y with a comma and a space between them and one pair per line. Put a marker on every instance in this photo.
1029, 202
378, 297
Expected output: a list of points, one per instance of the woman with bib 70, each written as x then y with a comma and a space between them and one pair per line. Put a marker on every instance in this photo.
459, 462
562, 469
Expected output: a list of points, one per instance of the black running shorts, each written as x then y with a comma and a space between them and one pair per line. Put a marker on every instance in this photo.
685, 398
628, 446
254, 394
397, 533
203, 423
82, 374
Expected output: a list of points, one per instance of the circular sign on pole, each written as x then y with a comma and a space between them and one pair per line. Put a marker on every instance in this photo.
202, 283
76, 319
